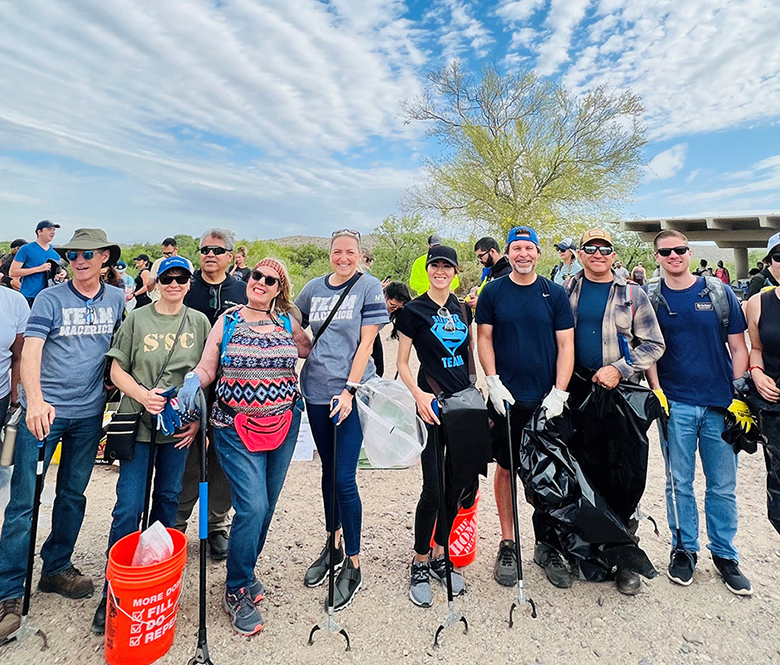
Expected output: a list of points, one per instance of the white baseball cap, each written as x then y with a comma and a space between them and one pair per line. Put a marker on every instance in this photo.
771, 244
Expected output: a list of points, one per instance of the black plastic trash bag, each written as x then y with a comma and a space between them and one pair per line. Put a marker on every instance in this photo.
587, 531
610, 439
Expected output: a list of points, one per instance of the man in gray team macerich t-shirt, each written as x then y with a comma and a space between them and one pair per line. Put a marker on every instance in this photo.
325, 372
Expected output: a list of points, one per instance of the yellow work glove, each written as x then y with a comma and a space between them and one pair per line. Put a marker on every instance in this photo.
662, 398
741, 412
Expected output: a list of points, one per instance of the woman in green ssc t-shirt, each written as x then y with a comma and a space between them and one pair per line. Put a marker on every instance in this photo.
140, 350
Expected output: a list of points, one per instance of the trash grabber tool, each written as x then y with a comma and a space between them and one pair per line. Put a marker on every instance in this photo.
329, 623
27, 629
453, 617
202, 651
149, 473
522, 597
678, 547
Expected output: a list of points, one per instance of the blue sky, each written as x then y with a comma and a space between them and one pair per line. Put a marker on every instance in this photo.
280, 117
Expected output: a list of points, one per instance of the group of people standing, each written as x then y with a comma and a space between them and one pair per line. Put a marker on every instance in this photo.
541, 343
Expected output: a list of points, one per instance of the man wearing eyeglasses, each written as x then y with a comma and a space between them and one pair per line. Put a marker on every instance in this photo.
169, 248
704, 329
67, 337
212, 292
35, 261
616, 339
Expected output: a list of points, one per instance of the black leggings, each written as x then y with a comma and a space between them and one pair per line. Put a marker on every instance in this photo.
771, 422
428, 506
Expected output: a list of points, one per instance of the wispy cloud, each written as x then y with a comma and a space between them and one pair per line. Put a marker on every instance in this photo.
668, 163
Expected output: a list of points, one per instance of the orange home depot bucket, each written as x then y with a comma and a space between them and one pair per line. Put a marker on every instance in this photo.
463, 536
142, 602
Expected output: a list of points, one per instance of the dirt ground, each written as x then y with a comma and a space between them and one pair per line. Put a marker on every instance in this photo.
589, 623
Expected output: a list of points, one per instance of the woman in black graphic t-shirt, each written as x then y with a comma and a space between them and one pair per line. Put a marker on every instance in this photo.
434, 324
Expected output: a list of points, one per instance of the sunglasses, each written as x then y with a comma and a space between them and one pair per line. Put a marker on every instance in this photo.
350, 232
682, 250
87, 254
218, 251
166, 279
90, 305
592, 249
167, 253
449, 324
775, 257
269, 280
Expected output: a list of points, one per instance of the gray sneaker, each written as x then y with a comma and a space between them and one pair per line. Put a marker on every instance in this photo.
420, 587
505, 571
554, 568
244, 616
439, 572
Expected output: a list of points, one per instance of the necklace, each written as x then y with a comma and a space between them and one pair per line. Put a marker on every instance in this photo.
255, 309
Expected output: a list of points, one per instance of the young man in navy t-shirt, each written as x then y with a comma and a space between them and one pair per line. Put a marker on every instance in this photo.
525, 339
695, 377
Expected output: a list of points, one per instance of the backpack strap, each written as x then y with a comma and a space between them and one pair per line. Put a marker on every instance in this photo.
716, 291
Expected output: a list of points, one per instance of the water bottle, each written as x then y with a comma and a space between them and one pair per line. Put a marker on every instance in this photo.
9, 438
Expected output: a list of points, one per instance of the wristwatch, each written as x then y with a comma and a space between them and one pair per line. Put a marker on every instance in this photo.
352, 390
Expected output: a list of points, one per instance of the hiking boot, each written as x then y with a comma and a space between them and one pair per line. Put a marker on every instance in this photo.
681, 566
99, 619
627, 582
69, 583
10, 618
347, 583
256, 590
244, 616
556, 571
505, 570
439, 572
318, 571
420, 587
218, 545
732, 576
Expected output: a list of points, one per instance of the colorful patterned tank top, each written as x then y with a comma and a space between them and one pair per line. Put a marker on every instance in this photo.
257, 373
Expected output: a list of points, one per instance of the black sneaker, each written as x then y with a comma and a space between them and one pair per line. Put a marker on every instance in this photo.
347, 583
554, 568
681, 566
732, 576
318, 571
420, 585
505, 570
244, 616
99, 620
218, 545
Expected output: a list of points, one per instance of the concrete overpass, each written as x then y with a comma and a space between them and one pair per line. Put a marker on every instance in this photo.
738, 232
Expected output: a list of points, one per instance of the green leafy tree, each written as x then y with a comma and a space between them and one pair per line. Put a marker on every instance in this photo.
520, 149
398, 241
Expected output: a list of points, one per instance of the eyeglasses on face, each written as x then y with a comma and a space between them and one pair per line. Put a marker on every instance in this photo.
592, 249
349, 232
269, 280
218, 251
167, 278
87, 255
667, 251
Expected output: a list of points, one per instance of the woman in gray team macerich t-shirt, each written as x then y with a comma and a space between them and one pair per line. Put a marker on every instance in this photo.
341, 356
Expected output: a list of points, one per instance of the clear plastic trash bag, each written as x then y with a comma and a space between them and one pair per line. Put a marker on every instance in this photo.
394, 436
154, 546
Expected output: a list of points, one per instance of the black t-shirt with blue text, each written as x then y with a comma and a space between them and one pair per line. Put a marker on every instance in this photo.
525, 320
441, 342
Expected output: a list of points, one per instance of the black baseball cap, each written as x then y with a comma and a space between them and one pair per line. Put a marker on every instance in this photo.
19, 242
442, 253
46, 224
141, 257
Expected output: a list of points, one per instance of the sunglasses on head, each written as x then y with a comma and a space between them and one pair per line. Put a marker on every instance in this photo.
87, 254
218, 251
270, 280
667, 251
166, 278
350, 232
592, 249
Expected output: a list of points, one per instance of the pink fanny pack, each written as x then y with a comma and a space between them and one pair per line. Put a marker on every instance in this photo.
261, 434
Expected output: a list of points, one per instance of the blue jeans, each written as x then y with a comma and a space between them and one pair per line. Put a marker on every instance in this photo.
348, 510
169, 463
256, 480
5, 471
80, 437
692, 427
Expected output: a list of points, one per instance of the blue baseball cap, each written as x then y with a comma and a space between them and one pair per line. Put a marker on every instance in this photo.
522, 233
121, 265
174, 262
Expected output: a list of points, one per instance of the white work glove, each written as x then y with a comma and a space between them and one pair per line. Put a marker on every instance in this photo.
498, 394
553, 403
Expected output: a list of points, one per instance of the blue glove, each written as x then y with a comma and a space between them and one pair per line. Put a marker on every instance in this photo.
168, 420
188, 392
